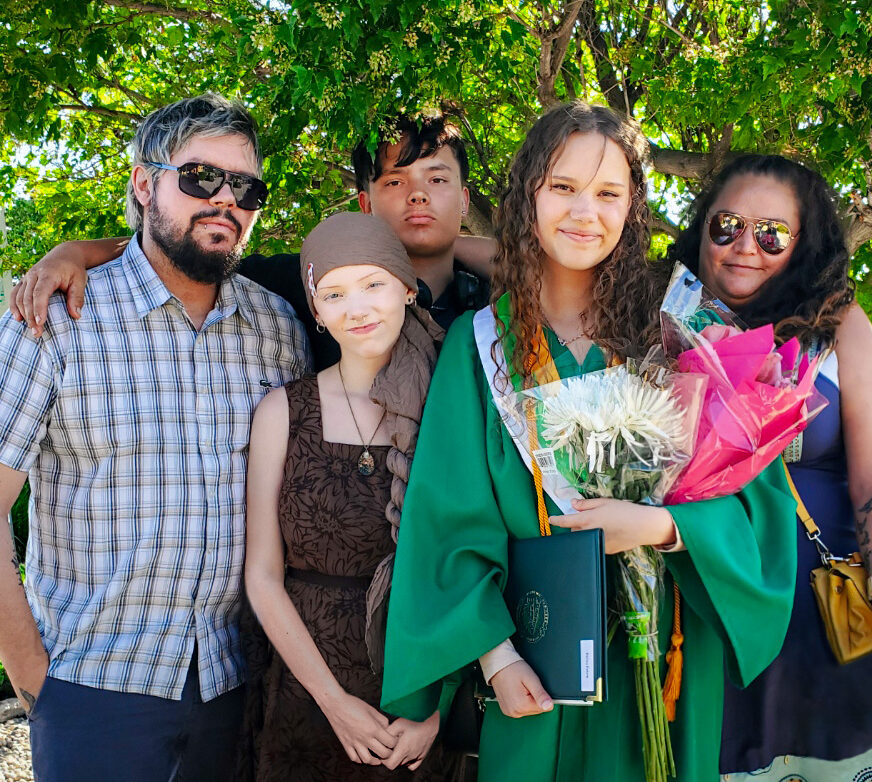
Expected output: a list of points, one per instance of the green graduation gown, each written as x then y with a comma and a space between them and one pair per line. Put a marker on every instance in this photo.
469, 492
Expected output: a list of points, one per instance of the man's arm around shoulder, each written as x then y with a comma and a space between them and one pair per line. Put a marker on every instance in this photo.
21, 648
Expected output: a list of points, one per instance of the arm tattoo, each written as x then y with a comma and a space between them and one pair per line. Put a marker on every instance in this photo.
29, 700
17, 567
864, 531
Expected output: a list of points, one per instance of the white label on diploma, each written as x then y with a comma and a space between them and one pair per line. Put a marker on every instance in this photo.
586, 660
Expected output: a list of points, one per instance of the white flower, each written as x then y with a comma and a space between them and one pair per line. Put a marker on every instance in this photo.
611, 417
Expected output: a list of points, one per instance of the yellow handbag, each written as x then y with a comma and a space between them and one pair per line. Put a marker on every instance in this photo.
841, 588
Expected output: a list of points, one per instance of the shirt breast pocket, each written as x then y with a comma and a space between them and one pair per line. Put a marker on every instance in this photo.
103, 408
102, 424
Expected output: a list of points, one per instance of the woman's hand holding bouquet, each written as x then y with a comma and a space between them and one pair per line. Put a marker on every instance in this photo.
625, 525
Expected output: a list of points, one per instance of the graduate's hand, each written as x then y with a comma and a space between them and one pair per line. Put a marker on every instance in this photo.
519, 691
361, 729
625, 524
414, 740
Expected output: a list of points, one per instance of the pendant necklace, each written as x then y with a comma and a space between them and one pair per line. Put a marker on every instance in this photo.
566, 342
365, 464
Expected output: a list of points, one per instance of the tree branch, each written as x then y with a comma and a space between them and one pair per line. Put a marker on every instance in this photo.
599, 49
642, 33
184, 14
721, 148
867, 170
688, 165
661, 225
136, 97
479, 219
528, 27
347, 176
101, 111
470, 136
860, 228
554, 43
346, 199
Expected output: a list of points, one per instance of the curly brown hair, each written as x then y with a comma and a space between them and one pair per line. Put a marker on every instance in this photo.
808, 299
624, 298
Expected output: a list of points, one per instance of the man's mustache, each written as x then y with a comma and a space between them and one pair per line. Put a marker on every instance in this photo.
226, 215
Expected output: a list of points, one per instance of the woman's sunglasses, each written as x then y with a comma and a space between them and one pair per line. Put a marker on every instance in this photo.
772, 236
202, 181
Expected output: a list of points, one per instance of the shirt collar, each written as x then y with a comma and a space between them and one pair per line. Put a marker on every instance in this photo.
146, 287
448, 299
234, 296
149, 291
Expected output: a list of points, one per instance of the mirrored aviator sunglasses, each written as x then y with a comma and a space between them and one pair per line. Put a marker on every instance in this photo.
772, 236
200, 180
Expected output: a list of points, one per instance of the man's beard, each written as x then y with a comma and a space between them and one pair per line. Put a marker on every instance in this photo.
196, 263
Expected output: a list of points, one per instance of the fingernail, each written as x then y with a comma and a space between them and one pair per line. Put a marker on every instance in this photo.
78, 311
36, 319
33, 331
548, 705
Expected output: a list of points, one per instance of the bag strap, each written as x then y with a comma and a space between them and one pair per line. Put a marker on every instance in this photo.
812, 530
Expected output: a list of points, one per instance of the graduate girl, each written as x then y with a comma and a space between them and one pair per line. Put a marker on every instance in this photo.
571, 277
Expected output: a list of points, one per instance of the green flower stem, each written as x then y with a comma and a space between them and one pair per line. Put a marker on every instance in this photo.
641, 577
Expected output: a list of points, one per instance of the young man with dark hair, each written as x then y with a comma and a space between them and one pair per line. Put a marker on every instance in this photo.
417, 185
414, 141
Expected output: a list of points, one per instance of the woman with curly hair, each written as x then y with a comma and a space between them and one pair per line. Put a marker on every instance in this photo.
765, 237
571, 284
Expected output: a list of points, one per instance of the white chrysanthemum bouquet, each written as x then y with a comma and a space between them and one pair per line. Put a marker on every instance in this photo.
621, 432
624, 433
614, 434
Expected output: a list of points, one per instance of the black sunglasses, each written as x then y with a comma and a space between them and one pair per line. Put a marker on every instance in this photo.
202, 181
772, 236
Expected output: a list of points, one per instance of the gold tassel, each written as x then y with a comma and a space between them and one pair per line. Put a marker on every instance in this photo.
540, 365
674, 661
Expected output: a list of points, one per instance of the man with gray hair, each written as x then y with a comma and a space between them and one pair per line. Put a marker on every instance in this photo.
132, 423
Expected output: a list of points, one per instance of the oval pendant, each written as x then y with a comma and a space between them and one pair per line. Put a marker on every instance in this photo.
366, 464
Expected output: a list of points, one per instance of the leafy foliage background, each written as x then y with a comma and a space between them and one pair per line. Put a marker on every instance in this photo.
707, 78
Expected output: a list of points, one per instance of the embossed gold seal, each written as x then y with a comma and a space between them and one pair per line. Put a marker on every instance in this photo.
531, 617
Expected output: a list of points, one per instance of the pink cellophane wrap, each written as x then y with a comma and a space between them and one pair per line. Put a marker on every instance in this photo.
757, 401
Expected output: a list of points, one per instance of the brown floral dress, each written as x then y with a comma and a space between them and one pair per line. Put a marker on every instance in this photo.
335, 534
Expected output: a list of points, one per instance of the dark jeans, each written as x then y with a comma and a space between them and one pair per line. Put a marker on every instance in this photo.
82, 734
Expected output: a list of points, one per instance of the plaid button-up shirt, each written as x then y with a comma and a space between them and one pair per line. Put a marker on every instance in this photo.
134, 428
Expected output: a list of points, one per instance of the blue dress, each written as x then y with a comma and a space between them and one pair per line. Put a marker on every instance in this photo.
805, 703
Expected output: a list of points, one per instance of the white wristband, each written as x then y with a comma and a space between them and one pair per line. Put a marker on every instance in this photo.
673, 547
501, 656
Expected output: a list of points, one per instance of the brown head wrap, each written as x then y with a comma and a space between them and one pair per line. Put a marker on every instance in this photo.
351, 239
